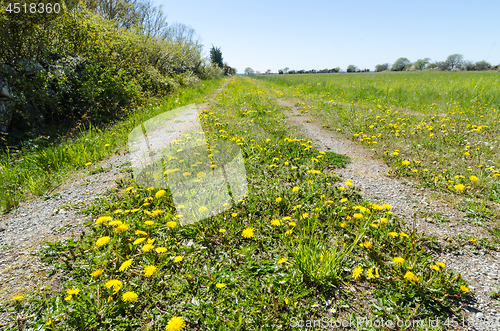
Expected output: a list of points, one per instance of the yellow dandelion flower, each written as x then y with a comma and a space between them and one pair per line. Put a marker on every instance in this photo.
115, 223
178, 259
459, 187
410, 276
398, 260
220, 285
96, 273
17, 298
171, 224
292, 224
441, 264
464, 289
357, 272
473, 178
139, 241
102, 241
282, 260
295, 189
147, 248
74, 291
121, 228
115, 284
289, 232
402, 234
357, 216
160, 194
278, 200
103, 219
118, 211
88, 163
406, 163
343, 225
129, 296
435, 267
160, 250
276, 222
222, 230
149, 270
140, 233
202, 209
341, 188
175, 324
247, 233
125, 265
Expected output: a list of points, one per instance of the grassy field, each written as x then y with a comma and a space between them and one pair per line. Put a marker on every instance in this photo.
438, 128
302, 246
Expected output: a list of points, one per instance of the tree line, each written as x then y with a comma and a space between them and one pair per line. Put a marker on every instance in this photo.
452, 62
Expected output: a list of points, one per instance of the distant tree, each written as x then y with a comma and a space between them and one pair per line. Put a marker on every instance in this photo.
285, 70
302, 71
352, 68
337, 69
249, 71
400, 64
216, 56
454, 60
257, 72
292, 72
468, 65
268, 71
381, 67
228, 71
443, 65
280, 72
431, 66
421, 63
482, 65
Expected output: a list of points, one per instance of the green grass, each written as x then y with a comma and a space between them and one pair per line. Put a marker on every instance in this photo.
35, 171
290, 251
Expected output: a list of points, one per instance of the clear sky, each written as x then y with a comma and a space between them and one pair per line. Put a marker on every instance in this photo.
267, 34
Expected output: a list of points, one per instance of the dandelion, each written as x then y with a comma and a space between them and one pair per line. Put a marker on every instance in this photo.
357, 272
149, 223
74, 291
464, 289
406, 163
139, 241
292, 224
341, 188
125, 265
49, 323
366, 245
343, 200
343, 225
102, 241
140, 233
459, 187
160, 194
115, 284
178, 259
175, 324
129, 296
103, 219
435, 267
121, 228
289, 232
441, 264
171, 224
283, 260
370, 274
402, 234
222, 230
278, 200
276, 222
118, 211
17, 298
473, 178
157, 212
160, 250
88, 163
357, 216
295, 189
398, 260
115, 223
96, 273
247, 233
149, 270
410, 276
220, 285
147, 248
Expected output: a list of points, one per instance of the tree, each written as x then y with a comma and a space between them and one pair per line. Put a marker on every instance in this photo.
443, 65
421, 63
280, 72
381, 67
482, 65
400, 64
268, 71
454, 60
352, 68
216, 56
249, 71
285, 70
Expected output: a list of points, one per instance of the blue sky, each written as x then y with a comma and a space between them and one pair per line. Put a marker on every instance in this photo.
326, 34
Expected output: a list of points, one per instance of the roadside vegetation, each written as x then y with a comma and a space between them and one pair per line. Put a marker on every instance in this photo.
301, 246
439, 129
